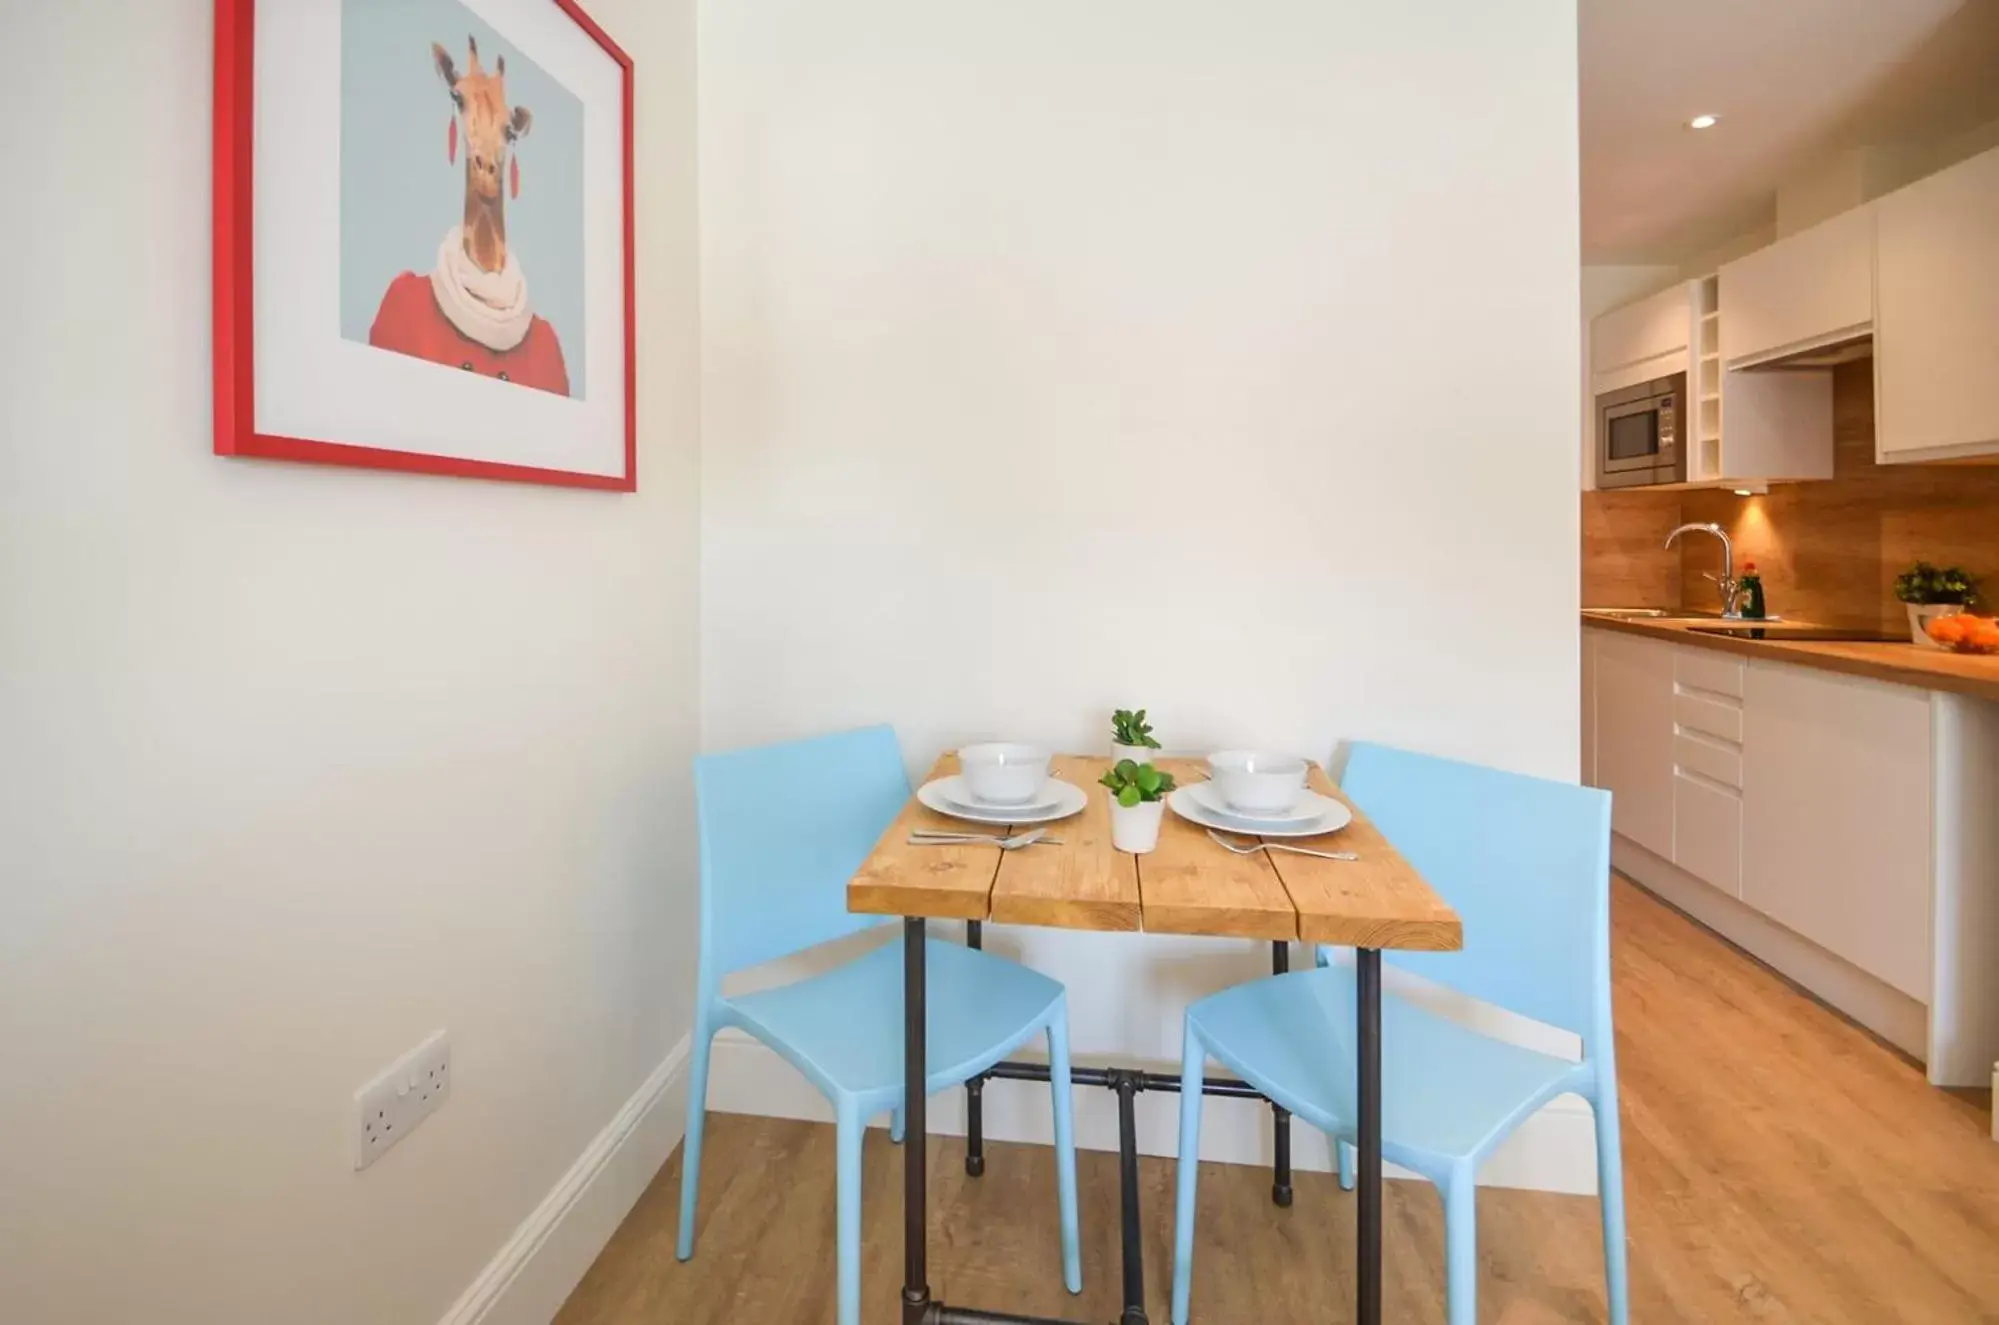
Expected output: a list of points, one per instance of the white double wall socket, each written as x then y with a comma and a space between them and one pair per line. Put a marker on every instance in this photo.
389, 1108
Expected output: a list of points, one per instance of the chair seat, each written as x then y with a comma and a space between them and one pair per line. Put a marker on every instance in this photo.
844, 1028
1448, 1093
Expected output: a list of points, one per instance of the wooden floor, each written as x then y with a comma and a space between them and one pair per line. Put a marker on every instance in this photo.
1780, 1166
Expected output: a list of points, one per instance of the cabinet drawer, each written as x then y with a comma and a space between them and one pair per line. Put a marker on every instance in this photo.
1707, 833
1712, 717
1715, 762
1702, 669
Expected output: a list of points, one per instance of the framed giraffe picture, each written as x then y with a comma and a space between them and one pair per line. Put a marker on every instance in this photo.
423, 239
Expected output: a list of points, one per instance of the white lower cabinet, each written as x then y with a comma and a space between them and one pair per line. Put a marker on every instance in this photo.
1805, 794
1634, 736
1836, 843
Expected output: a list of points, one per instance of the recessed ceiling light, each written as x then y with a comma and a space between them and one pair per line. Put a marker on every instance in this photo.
1703, 121
1744, 492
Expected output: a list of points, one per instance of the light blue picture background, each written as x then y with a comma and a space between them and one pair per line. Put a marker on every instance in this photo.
399, 192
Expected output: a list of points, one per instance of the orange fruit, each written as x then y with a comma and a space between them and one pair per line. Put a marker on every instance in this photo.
1948, 630
1984, 633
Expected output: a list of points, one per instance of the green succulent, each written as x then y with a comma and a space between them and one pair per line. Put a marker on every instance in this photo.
1129, 728
1135, 783
1925, 585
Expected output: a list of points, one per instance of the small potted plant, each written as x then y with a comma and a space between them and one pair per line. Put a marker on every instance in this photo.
1930, 594
1138, 800
1131, 737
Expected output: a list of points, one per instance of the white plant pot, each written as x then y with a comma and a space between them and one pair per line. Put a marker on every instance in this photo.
1138, 754
1135, 828
1921, 614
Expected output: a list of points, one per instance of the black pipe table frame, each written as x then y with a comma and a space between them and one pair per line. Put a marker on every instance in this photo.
919, 1308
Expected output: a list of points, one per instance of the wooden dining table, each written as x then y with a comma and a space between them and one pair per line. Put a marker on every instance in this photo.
1188, 885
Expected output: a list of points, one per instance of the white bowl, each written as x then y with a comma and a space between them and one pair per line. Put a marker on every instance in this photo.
1257, 781
1004, 772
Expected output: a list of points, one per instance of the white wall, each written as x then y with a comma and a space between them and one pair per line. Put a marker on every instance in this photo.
300, 764
1216, 358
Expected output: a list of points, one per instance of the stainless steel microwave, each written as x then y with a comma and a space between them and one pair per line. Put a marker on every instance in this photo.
1638, 434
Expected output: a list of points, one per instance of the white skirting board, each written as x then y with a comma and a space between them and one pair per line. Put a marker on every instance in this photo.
1553, 1151
528, 1280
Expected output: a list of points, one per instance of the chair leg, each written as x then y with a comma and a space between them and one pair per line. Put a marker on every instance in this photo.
850, 1130
690, 1146
1348, 1158
1065, 1148
1610, 1195
895, 1125
1461, 1246
1191, 1071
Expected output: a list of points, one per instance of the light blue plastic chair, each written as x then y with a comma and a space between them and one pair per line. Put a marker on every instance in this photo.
783, 828
1526, 863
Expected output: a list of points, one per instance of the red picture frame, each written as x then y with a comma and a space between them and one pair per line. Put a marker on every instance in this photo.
234, 276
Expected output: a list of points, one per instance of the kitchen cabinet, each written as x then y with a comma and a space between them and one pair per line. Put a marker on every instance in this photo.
1838, 828
1937, 333
1642, 341
1707, 767
1836, 845
1811, 289
1737, 427
1634, 736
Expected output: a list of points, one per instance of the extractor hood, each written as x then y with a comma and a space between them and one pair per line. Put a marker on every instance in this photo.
1823, 354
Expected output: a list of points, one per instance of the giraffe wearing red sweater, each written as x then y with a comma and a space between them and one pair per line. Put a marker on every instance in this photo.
471, 311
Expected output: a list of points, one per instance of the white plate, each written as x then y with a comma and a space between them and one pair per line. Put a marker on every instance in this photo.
1069, 799
959, 792
1310, 806
1332, 817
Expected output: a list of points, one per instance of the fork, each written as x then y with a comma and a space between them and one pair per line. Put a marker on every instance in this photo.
929, 838
1241, 850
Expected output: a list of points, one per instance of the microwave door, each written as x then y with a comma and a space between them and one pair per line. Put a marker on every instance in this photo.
1629, 437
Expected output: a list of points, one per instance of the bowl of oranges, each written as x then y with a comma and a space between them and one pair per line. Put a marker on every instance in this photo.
1966, 634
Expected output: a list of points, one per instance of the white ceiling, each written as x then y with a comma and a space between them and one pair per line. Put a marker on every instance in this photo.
1795, 81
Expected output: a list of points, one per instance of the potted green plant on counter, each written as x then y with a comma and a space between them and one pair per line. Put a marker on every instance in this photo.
1138, 801
1131, 737
1931, 593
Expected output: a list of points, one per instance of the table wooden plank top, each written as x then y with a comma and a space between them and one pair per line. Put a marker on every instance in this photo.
1189, 885
1378, 901
1083, 884
1192, 886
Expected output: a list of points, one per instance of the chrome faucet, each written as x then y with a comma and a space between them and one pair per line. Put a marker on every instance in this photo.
1729, 587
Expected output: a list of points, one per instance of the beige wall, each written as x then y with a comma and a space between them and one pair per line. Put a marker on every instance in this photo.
1217, 359
300, 764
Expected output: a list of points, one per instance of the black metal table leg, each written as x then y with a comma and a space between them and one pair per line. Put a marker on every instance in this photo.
1368, 1014
1280, 1179
975, 1089
915, 1150
1128, 1086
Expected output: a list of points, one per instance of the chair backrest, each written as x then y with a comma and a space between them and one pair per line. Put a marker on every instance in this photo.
783, 828
1526, 863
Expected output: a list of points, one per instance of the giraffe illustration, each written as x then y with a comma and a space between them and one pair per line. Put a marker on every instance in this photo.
471, 310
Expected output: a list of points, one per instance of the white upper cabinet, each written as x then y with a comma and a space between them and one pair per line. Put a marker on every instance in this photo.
1642, 341
1936, 354
1812, 289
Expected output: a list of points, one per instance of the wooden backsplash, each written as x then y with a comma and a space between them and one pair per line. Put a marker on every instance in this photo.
1828, 551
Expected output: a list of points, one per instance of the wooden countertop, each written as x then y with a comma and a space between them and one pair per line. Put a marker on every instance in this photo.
1901, 664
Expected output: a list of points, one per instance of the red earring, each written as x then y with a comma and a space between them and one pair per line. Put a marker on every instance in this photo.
514, 174
451, 141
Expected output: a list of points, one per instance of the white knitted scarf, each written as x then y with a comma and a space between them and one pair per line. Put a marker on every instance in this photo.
490, 307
